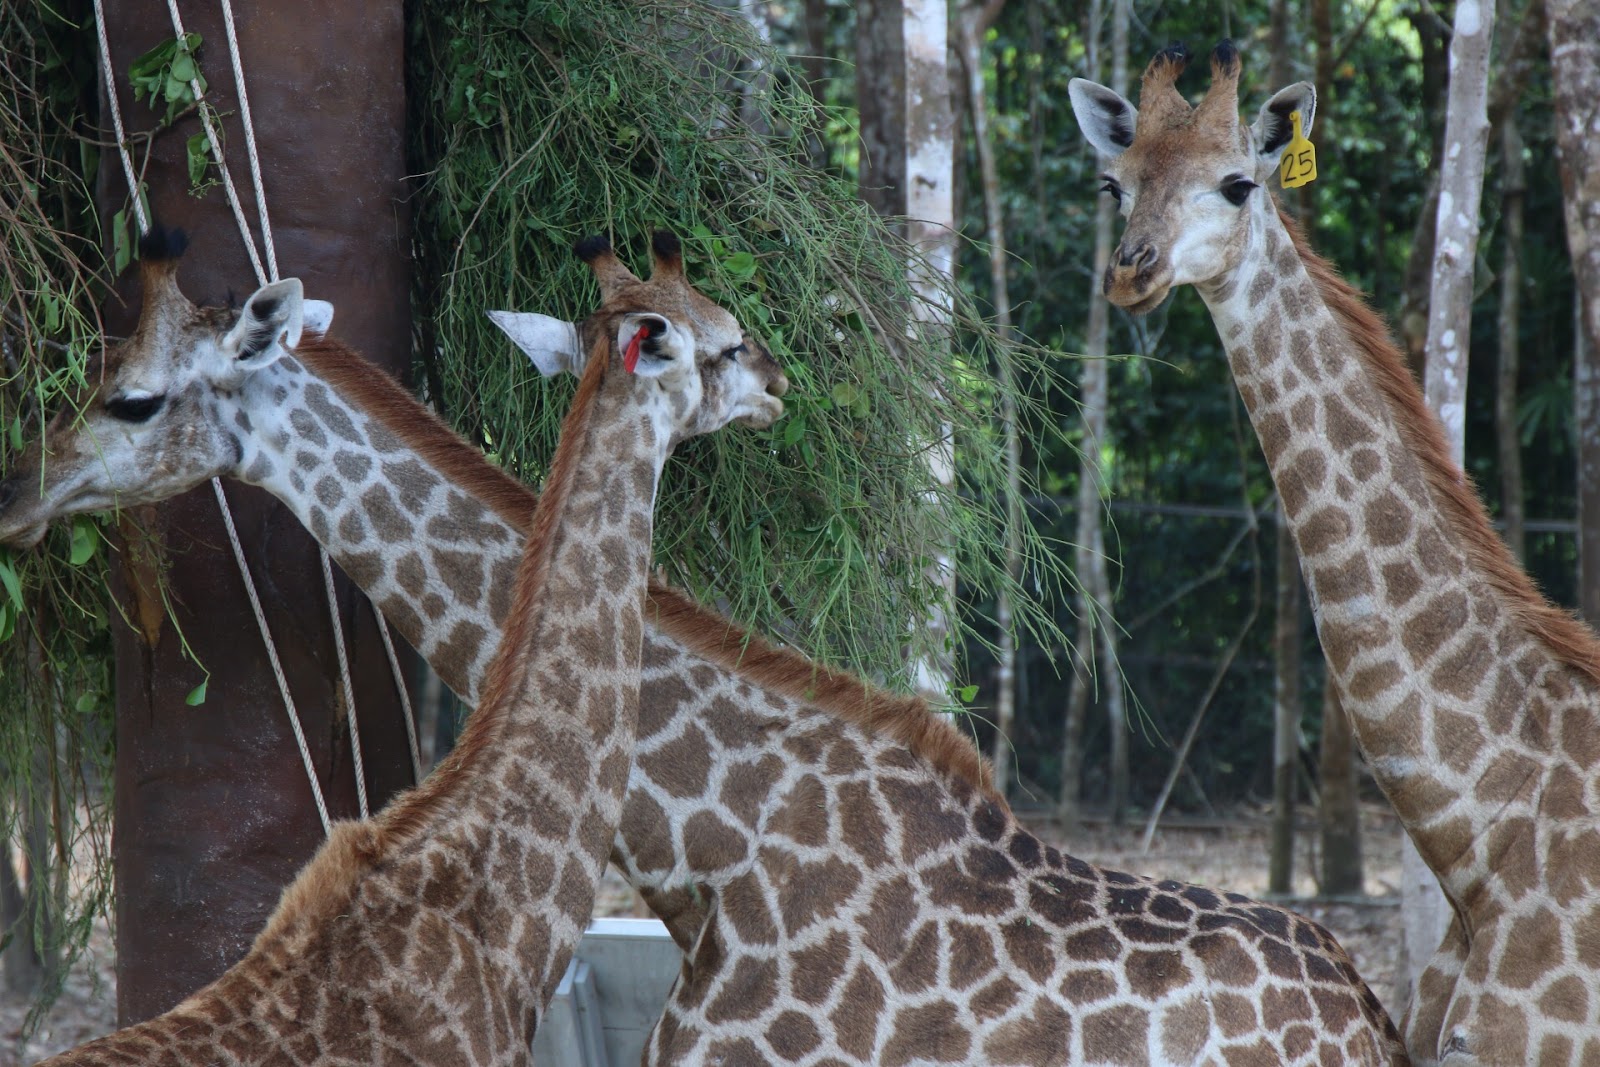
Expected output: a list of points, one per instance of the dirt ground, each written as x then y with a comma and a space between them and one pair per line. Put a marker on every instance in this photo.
1230, 854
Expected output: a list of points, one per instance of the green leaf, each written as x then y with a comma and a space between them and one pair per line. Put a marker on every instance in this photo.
8, 578
86, 703
15, 433
967, 693
8, 623
844, 394
84, 541
199, 152
121, 246
184, 66
742, 265
197, 695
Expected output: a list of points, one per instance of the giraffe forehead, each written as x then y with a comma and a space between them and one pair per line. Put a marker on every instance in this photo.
1190, 152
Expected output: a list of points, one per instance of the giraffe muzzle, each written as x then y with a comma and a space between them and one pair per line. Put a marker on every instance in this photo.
1138, 277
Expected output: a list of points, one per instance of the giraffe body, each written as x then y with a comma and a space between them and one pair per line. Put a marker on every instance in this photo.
436, 932
1473, 699
830, 857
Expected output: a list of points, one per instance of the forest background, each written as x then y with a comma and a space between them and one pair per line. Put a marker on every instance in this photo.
1197, 598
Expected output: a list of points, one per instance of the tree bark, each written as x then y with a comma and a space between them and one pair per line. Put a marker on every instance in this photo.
1285, 713
1505, 395
1574, 28
972, 22
1426, 914
1341, 814
908, 169
213, 812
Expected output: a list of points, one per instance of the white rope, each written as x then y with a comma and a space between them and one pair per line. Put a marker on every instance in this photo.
272, 655
250, 143
405, 696
116, 116
349, 687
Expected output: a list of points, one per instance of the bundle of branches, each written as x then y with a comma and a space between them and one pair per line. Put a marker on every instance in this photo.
539, 121
55, 709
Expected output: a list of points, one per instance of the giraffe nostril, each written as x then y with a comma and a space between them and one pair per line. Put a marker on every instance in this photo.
1138, 255
779, 385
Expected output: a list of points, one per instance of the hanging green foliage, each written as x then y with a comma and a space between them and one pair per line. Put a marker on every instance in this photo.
539, 121
55, 709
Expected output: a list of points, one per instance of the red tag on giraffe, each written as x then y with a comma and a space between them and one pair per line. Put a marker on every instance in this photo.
630, 355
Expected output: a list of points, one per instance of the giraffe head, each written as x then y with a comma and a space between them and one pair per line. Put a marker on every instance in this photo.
709, 372
151, 423
1188, 179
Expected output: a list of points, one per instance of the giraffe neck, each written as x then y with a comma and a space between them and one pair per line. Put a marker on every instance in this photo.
436, 552
1442, 652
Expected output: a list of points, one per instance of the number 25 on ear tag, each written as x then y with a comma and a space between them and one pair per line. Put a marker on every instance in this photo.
1299, 159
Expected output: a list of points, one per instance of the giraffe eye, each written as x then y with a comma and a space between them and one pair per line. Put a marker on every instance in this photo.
134, 408
1237, 190
1111, 187
734, 352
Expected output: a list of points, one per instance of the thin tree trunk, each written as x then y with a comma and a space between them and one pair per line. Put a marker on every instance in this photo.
1574, 28
1341, 811
1505, 394
814, 66
1426, 915
972, 22
1285, 712
212, 810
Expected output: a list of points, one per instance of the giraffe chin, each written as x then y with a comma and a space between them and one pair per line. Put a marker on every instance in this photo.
1141, 305
22, 538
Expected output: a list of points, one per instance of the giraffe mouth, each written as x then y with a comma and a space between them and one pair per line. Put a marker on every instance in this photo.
1138, 292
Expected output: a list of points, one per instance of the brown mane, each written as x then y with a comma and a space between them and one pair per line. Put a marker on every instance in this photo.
1572, 642
906, 719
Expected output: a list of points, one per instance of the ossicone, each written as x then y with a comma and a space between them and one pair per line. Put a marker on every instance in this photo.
159, 244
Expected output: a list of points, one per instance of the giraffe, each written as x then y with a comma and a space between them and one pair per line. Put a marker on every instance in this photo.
1474, 700
436, 932
845, 883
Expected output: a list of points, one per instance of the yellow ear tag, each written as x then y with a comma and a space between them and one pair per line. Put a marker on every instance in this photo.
1299, 159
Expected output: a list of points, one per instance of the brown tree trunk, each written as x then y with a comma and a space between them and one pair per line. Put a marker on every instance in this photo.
1286, 713
814, 65
1341, 814
1574, 28
213, 812
1505, 394
972, 22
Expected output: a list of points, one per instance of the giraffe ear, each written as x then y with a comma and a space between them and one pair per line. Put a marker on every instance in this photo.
662, 348
271, 318
1107, 120
552, 344
1272, 129
316, 316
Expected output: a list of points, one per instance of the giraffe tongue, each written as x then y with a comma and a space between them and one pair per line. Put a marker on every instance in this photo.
630, 355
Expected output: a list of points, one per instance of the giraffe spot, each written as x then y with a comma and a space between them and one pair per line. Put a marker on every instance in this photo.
352, 466
317, 397
1439, 557
1170, 908
1533, 948
817, 968
1089, 986
403, 617
297, 483
1303, 415
918, 964
746, 786
1338, 583
382, 439
989, 864
1365, 464
1463, 671
855, 1020
1235, 1014
1152, 975
1098, 944
1146, 932
1042, 1038
465, 521
802, 815
746, 992
1438, 621
888, 918
1566, 999
458, 651
307, 461
1225, 960
929, 1034
973, 947
502, 586
1388, 519
861, 824
1063, 902
386, 518
951, 887
1507, 777
306, 428
661, 698
1201, 897
989, 821
1273, 430
927, 824
808, 892
351, 529
434, 605
1258, 1053
792, 1035
260, 469
1457, 738
1401, 582
1556, 1048
1127, 901
1342, 427
364, 568
1117, 1035
1261, 287
709, 844
1185, 1029
1024, 848
411, 573
1336, 1008
995, 999
1324, 529
681, 767
1281, 1006
1030, 947
413, 483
